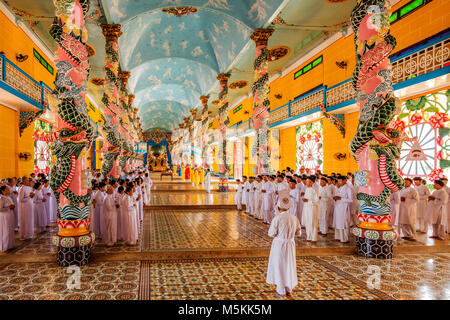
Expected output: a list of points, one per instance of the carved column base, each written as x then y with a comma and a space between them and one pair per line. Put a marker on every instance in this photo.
74, 250
377, 244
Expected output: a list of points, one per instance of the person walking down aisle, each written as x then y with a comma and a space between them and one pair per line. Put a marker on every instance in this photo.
282, 268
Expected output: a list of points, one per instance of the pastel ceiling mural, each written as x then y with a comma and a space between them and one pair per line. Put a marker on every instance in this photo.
174, 57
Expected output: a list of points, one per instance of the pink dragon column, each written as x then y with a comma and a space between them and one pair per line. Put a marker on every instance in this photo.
110, 166
74, 135
204, 130
223, 123
261, 103
376, 145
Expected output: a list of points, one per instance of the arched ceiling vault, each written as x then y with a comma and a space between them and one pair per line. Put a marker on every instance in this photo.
174, 60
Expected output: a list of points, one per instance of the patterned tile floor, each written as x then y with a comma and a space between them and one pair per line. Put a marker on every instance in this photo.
215, 198
47, 281
407, 276
424, 276
164, 230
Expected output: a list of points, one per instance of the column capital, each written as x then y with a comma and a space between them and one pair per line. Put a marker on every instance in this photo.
131, 98
223, 77
111, 32
204, 99
261, 36
193, 112
124, 76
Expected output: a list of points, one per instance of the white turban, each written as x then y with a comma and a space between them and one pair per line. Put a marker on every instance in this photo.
284, 200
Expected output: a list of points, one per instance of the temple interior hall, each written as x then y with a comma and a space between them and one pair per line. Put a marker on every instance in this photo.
224, 150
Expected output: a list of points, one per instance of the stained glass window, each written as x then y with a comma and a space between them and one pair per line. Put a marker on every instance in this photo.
310, 146
426, 150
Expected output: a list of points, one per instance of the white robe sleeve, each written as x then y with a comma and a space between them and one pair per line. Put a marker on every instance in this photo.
273, 230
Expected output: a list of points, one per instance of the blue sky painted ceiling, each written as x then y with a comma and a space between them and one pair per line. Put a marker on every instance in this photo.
173, 60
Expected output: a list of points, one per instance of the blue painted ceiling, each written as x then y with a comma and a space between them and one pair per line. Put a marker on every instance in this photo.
174, 60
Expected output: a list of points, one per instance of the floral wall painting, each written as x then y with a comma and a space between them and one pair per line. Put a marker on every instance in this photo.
425, 122
310, 146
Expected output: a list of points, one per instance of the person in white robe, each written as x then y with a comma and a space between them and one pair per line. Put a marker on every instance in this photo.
140, 202
394, 200
208, 181
301, 192
251, 196
447, 189
257, 212
238, 198
99, 223
148, 181
120, 223
136, 198
295, 198
13, 194
40, 213
46, 192
407, 214
331, 204
267, 201
424, 193
342, 215
245, 195
310, 213
282, 267
436, 214
129, 218
280, 185
94, 191
354, 206
110, 217
6, 220
324, 200
26, 210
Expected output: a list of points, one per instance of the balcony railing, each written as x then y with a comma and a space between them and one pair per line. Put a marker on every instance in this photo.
22, 85
424, 58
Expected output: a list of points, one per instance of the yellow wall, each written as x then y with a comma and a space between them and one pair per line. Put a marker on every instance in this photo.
9, 131
14, 41
333, 142
11, 145
247, 105
288, 152
26, 144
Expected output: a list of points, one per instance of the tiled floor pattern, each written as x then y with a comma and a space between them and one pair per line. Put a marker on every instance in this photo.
164, 230
179, 199
405, 277
331, 278
244, 279
47, 281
